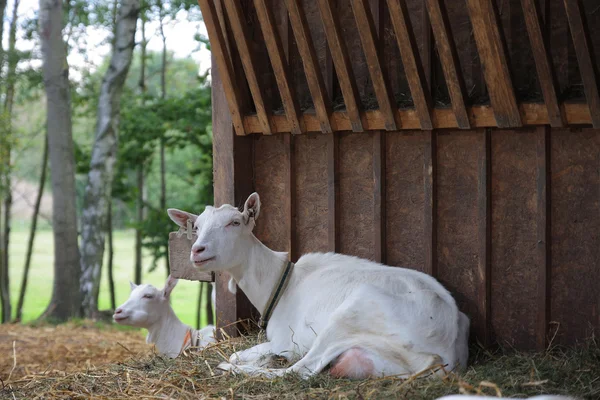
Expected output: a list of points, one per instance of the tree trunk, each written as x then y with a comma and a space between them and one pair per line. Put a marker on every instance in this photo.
163, 95
66, 297
111, 254
32, 231
2, 10
199, 306
209, 305
8, 108
98, 189
140, 168
138, 229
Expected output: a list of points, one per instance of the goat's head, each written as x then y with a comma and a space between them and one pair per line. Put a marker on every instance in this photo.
222, 234
145, 305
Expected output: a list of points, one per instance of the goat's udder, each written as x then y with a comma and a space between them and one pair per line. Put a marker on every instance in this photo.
353, 364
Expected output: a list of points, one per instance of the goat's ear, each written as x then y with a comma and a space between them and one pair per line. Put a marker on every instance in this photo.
181, 217
132, 285
251, 207
169, 286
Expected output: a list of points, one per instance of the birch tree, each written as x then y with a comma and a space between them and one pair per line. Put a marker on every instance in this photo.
98, 188
66, 297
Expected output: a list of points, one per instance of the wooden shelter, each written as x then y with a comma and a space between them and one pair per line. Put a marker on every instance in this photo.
457, 137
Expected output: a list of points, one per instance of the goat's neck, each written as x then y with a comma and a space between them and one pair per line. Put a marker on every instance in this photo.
261, 272
168, 334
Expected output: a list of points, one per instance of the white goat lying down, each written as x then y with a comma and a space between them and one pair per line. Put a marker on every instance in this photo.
361, 318
469, 397
147, 307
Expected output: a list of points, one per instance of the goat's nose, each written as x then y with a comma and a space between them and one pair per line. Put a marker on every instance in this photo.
197, 249
118, 311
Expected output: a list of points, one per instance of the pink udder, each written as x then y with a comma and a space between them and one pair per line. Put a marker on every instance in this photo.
353, 364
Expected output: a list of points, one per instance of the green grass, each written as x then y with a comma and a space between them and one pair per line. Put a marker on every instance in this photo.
41, 274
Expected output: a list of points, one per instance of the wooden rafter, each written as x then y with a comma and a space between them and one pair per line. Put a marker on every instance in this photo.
341, 60
410, 58
584, 58
308, 55
238, 26
443, 118
495, 67
279, 63
542, 60
449, 60
219, 50
368, 37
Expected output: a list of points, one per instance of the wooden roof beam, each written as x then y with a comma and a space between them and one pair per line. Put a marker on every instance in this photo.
446, 48
410, 59
219, 50
584, 58
310, 61
493, 59
541, 58
341, 61
280, 65
368, 38
240, 31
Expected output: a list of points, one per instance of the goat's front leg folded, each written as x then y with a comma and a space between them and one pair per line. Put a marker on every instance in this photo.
260, 356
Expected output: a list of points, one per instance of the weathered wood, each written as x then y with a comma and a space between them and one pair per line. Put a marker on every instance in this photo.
484, 240
379, 219
410, 58
430, 203
480, 116
222, 60
240, 31
368, 37
587, 68
493, 58
544, 238
179, 260
516, 265
542, 59
333, 189
277, 55
343, 67
575, 227
310, 62
449, 60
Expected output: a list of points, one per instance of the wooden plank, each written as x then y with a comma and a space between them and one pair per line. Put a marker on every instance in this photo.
368, 37
379, 190
333, 188
311, 63
232, 159
356, 201
405, 199
430, 203
343, 67
516, 220
179, 260
543, 149
480, 116
575, 216
291, 197
493, 58
223, 62
410, 58
484, 216
462, 202
587, 68
541, 57
240, 31
449, 60
279, 63
312, 186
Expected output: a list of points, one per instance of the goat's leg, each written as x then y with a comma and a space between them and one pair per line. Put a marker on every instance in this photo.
258, 355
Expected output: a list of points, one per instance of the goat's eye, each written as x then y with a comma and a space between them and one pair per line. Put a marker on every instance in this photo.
148, 296
235, 223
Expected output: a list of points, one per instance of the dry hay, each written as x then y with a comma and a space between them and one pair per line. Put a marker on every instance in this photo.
110, 364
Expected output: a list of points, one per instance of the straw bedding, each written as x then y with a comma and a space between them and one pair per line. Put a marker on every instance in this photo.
86, 360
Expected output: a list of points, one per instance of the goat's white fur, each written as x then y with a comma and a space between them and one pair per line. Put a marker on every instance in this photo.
148, 307
391, 320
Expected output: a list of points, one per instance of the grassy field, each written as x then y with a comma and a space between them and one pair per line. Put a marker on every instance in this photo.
41, 274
